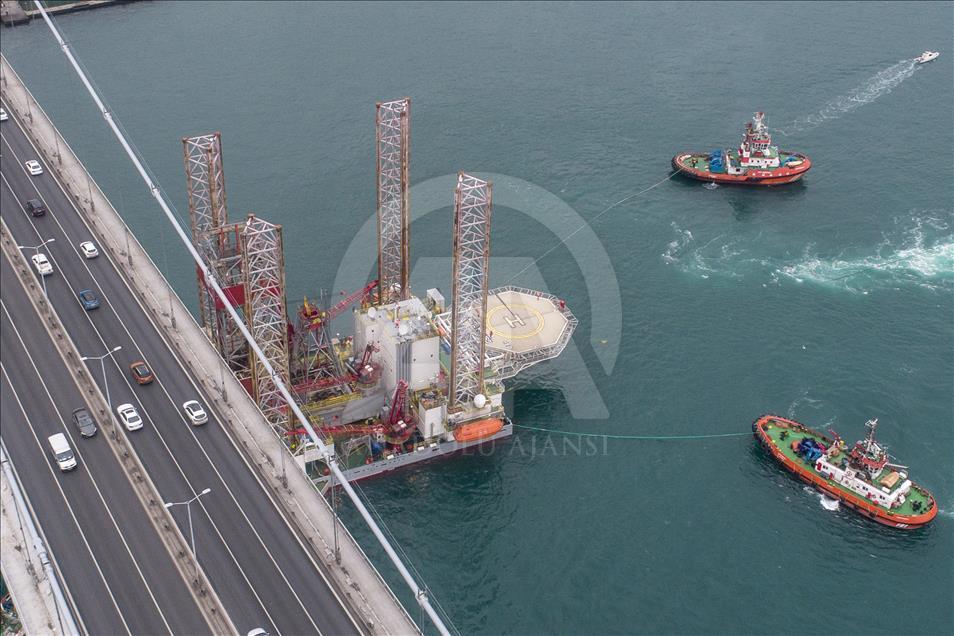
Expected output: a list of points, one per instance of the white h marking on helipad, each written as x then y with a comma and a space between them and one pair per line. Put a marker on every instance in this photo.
515, 321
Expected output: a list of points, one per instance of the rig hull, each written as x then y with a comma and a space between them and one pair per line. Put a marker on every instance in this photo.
688, 164
441, 449
762, 429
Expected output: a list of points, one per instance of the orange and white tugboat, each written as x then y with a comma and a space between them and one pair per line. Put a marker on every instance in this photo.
755, 162
862, 478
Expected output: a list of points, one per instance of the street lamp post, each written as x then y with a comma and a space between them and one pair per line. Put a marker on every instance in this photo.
102, 362
36, 250
188, 506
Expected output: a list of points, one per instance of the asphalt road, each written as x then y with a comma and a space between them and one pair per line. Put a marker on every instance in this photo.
262, 573
115, 566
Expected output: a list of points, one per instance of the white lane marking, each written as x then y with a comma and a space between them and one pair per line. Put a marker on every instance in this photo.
66, 500
209, 403
89, 472
148, 417
31, 511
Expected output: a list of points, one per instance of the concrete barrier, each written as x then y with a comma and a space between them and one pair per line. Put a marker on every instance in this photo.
306, 510
172, 538
30, 575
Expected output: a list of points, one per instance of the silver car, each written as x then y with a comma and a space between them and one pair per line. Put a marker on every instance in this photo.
129, 417
195, 412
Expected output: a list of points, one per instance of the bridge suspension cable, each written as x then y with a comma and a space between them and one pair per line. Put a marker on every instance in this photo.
420, 594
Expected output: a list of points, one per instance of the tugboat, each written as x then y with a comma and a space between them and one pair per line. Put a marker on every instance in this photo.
862, 478
755, 162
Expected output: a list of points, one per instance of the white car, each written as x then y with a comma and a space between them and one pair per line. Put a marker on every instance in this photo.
42, 264
89, 249
129, 417
195, 412
34, 167
3, 115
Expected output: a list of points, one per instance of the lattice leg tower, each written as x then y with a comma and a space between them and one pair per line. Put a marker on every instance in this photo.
228, 244
393, 138
208, 211
472, 211
265, 313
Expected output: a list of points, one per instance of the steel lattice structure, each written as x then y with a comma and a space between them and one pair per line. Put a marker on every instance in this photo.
228, 264
472, 211
264, 266
393, 137
205, 180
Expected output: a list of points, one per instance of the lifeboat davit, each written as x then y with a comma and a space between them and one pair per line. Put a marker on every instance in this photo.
481, 429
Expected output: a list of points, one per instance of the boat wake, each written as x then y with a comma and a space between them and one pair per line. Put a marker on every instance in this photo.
705, 260
919, 251
677, 246
928, 267
826, 502
804, 402
879, 84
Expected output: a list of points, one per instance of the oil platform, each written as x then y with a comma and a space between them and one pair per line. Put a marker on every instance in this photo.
417, 379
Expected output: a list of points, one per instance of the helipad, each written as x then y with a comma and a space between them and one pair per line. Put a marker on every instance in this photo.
524, 327
524, 321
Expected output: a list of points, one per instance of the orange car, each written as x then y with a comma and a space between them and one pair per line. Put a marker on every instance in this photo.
141, 373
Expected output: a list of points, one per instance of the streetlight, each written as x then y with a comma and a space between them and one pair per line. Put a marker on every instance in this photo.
36, 250
102, 362
170, 504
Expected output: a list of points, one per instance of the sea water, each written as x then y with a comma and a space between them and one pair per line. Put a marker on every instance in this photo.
830, 301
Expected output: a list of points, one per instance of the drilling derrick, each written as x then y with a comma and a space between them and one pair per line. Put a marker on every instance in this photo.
205, 180
220, 245
228, 266
393, 138
472, 211
264, 267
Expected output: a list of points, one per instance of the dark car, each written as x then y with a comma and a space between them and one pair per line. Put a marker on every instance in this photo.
141, 373
89, 299
35, 207
84, 422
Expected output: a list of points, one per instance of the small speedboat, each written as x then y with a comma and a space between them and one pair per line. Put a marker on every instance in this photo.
927, 56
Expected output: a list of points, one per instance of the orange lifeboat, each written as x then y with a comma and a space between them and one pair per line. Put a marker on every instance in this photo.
473, 431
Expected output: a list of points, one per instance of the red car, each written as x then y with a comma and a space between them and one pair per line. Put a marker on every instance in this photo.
141, 373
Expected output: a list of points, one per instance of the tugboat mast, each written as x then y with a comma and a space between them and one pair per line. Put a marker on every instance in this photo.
871, 446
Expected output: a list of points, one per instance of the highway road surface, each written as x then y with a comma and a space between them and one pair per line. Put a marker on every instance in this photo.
120, 578
263, 574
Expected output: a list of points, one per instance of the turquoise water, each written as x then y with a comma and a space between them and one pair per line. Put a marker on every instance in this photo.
830, 301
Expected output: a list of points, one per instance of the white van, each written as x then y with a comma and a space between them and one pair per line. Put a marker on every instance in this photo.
65, 458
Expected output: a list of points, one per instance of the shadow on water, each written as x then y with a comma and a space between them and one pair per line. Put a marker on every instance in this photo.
747, 201
538, 406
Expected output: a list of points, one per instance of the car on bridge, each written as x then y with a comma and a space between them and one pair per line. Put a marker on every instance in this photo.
129, 417
84, 422
62, 452
89, 299
34, 167
141, 373
195, 412
42, 264
3, 115
89, 249
35, 207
